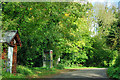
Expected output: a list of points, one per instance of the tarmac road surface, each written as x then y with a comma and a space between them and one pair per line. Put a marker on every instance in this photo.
86, 74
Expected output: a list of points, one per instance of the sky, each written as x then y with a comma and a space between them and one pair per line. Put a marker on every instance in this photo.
104, 0
109, 2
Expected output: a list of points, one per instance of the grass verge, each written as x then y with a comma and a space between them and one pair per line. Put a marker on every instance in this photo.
40, 72
34, 72
82, 67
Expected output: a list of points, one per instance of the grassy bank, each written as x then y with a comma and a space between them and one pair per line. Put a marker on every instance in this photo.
40, 72
35, 72
82, 67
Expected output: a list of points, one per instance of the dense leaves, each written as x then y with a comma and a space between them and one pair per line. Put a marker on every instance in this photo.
64, 28
110, 30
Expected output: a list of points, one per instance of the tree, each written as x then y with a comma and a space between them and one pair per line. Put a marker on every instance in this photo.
105, 18
44, 26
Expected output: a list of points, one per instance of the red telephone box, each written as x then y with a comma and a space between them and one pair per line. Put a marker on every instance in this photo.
12, 39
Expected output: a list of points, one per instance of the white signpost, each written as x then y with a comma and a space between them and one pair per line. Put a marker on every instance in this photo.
10, 57
51, 58
48, 59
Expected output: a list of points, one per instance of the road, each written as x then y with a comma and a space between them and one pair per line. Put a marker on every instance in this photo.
86, 74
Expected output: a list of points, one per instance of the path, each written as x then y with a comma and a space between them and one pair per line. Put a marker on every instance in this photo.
93, 73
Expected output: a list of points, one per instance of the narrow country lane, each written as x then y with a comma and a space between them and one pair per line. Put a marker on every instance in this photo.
86, 74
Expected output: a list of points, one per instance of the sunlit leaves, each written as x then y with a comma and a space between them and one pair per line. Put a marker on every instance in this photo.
105, 17
61, 27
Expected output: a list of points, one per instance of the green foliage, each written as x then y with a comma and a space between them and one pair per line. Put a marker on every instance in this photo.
100, 54
114, 72
8, 75
27, 72
105, 17
43, 68
73, 59
24, 70
59, 66
62, 27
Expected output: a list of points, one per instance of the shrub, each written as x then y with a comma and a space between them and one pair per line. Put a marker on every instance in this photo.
24, 70
9, 75
114, 72
59, 66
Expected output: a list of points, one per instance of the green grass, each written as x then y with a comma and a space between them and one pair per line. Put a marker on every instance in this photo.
0, 77
43, 71
37, 72
81, 67
34, 72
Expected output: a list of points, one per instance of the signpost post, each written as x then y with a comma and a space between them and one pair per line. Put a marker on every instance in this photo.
48, 59
51, 58
44, 60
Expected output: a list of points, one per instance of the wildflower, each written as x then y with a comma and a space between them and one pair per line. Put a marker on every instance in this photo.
30, 8
66, 14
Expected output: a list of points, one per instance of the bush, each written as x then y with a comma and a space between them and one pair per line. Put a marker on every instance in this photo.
24, 70
114, 72
9, 75
59, 66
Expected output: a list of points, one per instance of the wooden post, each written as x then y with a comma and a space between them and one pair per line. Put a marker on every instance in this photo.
14, 59
4, 57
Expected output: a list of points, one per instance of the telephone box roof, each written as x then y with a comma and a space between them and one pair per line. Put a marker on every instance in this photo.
8, 36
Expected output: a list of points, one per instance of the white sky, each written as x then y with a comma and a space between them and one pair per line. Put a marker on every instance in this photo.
109, 2
103, 0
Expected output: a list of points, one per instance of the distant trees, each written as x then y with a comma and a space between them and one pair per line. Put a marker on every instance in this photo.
105, 42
